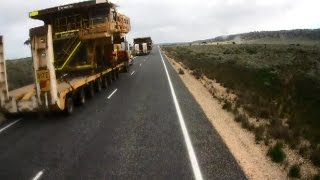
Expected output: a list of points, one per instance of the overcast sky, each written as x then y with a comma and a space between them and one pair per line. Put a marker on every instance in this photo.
173, 20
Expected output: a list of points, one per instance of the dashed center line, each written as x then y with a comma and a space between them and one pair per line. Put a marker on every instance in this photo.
133, 73
9, 125
38, 175
109, 97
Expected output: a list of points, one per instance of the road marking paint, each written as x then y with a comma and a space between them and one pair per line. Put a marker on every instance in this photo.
140, 64
133, 73
9, 125
191, 152
38, 175
112, 93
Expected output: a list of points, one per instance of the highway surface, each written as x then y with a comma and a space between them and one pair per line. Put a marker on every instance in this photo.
146, 125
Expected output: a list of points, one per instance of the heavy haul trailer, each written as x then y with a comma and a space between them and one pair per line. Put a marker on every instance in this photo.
80, 49
143, 45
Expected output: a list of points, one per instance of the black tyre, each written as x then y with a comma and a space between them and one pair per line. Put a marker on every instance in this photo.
98, 85
81, 99
9, 116
126, 67
90, 90
104, 82
109, 78
69, 106
114, 75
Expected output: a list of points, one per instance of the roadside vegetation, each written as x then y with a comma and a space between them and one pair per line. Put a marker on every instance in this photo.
278, 85
297, 36
19, 72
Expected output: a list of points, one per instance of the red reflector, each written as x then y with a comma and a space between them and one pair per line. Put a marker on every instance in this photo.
43, 84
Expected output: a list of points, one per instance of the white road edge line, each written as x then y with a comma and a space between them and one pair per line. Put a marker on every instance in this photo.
192, 155
112, 93
9, 125
133, 73
38, 175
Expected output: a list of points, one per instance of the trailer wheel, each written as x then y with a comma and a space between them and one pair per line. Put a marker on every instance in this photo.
81, 97
10, 116
104, 82
109, 78
69, 106
116, 74
90, 90
126, 67
113, 75
98, 85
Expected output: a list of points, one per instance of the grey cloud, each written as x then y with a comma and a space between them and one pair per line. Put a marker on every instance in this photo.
171, 20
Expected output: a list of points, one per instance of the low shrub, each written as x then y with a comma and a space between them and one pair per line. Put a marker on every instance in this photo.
294, 171
278, 131
267, 140
276, 153
303, 151
180, 71
259, 133
235, 110
227, 106
315, 157
196, 74
264, 113
247, 125
240, 118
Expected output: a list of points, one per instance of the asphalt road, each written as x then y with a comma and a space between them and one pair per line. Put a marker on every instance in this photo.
135, 134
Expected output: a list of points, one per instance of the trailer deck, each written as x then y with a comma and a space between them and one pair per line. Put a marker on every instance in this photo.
24, 96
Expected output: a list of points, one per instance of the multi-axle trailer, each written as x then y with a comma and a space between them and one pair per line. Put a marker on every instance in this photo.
80, 49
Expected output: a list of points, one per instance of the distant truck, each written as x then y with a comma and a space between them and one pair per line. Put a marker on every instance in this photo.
80, 50
143, 45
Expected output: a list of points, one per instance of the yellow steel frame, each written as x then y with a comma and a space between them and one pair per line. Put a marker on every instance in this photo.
69, 57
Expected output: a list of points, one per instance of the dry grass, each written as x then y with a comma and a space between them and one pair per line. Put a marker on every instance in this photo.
277, 82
